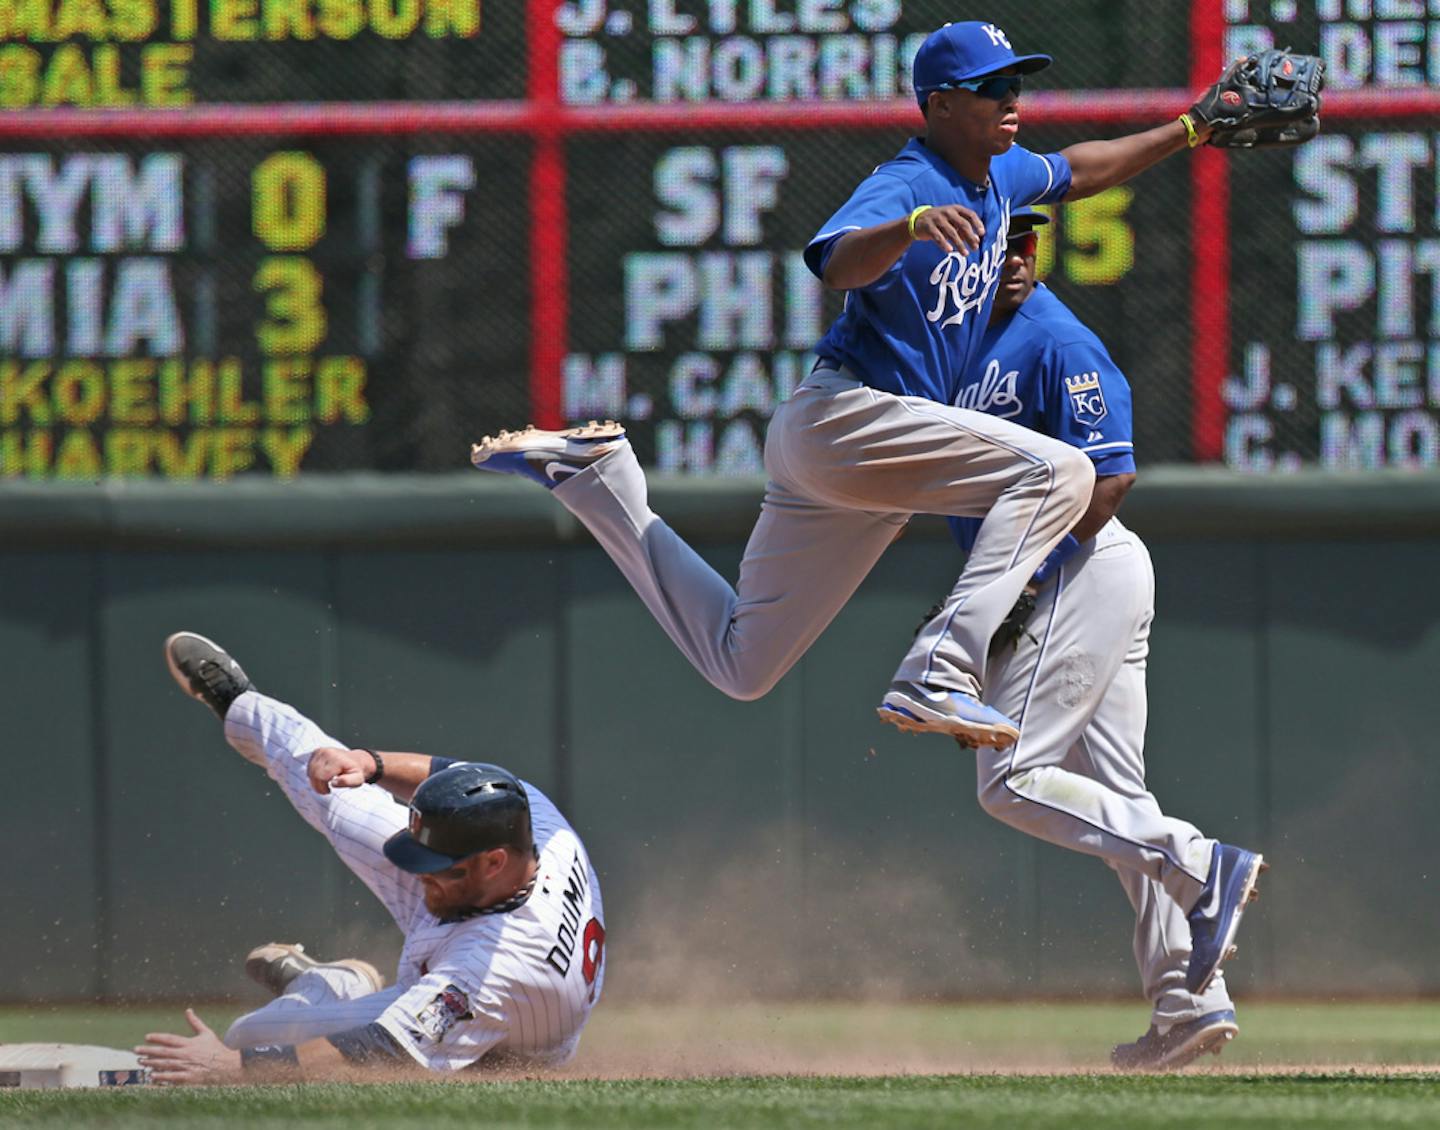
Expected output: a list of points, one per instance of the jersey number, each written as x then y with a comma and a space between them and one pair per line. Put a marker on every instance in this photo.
593, 949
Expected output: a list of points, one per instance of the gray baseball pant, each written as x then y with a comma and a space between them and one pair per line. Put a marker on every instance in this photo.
848, 465
1076, 777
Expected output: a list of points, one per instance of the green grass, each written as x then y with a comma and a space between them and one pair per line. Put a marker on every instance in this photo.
872, 1039
1114, 1102
827, 1065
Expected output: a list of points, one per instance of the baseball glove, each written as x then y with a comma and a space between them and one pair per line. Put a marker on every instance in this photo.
1268, 99
1012, 628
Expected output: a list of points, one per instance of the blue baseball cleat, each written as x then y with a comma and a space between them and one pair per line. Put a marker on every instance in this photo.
1215, 917
549, 458
923, 710
1179, 1045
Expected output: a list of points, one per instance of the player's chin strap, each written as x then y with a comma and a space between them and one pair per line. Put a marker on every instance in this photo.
514, 902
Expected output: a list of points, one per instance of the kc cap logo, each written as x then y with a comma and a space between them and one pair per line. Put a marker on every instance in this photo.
1087, 402
967, 50
997, 37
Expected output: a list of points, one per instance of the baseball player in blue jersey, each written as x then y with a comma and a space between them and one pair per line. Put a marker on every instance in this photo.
1069, 665
873, 436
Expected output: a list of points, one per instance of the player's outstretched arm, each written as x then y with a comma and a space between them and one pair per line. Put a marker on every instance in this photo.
202, 1058
1098, 165
860, 257
399, 774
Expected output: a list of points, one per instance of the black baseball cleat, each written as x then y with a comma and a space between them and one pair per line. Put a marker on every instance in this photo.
205, 671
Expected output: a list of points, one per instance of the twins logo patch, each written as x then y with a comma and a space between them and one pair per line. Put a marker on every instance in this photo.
442, 1013
1087, 402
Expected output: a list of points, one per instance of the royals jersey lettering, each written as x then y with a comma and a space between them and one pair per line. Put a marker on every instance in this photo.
1044, 369
914, 330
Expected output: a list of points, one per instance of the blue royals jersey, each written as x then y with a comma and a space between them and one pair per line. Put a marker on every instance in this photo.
1043, 368
915, 330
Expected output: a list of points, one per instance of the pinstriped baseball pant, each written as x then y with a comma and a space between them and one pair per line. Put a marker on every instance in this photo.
848, 466
1076, 777
357, 822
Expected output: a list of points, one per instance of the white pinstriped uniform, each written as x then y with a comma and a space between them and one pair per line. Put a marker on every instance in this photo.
520, 984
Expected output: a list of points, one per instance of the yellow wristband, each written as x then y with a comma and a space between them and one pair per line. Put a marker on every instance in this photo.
915, 215
1192, 138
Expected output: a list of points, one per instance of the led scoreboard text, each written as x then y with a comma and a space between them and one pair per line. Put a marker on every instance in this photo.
98, 377
114, 53
500, 212
1341, 367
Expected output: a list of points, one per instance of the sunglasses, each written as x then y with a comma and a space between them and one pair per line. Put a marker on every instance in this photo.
995, 87
1023, 245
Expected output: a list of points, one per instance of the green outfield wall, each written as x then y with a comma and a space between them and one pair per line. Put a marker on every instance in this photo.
790, 846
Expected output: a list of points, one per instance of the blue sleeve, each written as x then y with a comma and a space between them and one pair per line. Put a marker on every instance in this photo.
880, 198
1088, 405
370, 1045
1036, 178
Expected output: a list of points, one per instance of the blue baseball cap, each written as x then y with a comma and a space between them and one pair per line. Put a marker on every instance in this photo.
1028, 217
959, 52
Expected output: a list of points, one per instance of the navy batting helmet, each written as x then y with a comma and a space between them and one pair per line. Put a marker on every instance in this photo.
458, 811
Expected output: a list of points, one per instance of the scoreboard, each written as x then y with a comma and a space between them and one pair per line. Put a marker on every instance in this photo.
291, 236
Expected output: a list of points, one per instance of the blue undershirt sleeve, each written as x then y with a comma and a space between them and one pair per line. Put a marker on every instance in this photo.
369, 1045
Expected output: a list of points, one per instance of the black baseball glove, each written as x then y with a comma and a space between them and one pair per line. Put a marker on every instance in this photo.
1012, 628
1268, 99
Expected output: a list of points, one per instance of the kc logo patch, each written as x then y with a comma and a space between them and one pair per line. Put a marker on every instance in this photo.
1087, 402
442, 1013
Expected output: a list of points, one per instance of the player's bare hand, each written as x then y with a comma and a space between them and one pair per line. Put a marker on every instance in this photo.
189, 1060
331, 768
953, 226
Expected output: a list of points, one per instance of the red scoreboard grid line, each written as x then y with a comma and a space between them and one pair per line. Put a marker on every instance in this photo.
548, 123
379, 119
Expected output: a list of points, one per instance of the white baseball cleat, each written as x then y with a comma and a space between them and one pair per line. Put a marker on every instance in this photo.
925, 710
274, 965
547, 457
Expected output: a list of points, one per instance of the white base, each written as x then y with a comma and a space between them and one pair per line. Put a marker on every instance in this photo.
45, 1067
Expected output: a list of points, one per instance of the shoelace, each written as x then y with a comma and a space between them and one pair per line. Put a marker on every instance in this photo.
214, 675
